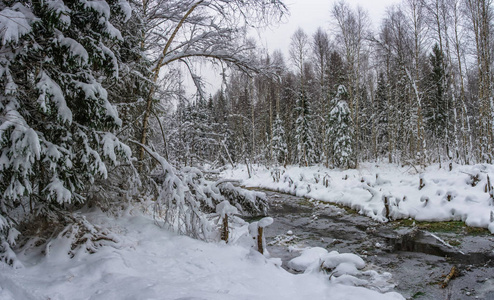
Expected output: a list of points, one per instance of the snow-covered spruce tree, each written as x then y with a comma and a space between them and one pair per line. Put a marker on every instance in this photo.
381, 116
134, 71
340, 130
436, 103
126, 93
56, 120
196, 136
220, 114
303, 130
279, 141
202, 142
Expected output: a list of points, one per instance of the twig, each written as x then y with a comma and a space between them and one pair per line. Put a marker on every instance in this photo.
452, 274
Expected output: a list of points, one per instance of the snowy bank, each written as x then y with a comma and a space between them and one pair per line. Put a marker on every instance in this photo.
386, 191
151, 263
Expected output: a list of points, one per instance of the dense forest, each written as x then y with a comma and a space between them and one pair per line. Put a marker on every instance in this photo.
417, 91
93, 109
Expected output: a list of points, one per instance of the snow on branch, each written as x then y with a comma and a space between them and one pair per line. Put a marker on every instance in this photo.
14, 24
50, 91
186, 199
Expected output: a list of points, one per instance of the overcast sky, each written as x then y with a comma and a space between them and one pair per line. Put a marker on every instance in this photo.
311, 14
307, 14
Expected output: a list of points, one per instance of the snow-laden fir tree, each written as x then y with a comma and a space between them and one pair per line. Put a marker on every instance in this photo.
340, 130
279, 141
220, 117
303, 130
196, 138
436, 104
198, 128
56, 120
380, 118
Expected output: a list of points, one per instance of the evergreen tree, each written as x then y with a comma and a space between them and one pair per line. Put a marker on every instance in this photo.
220, 108
279, 141
340, 130
436, 105
220, 113
197, 136
303, 130
177, 139
381, 115
336, 72
206, 141
242, 124
56, 119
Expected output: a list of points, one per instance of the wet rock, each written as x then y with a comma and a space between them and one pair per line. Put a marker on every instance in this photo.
415, 240
417, 259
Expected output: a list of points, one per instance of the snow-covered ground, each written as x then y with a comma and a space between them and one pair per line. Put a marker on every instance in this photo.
433, 194
149, 262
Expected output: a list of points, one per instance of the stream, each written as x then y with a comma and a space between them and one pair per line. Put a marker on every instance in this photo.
418, 260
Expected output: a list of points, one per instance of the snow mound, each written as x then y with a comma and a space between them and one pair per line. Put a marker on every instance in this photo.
308, 257
317, 258
344, 268
334, 259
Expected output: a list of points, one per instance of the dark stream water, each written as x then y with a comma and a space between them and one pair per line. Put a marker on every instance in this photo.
418, 260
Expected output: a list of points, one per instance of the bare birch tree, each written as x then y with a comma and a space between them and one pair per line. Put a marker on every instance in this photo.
210, 29
352, 26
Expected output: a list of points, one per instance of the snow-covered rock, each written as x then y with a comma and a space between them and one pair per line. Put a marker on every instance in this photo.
307, 258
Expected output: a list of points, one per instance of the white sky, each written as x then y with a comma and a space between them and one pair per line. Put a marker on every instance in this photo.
311, 14
307, 14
